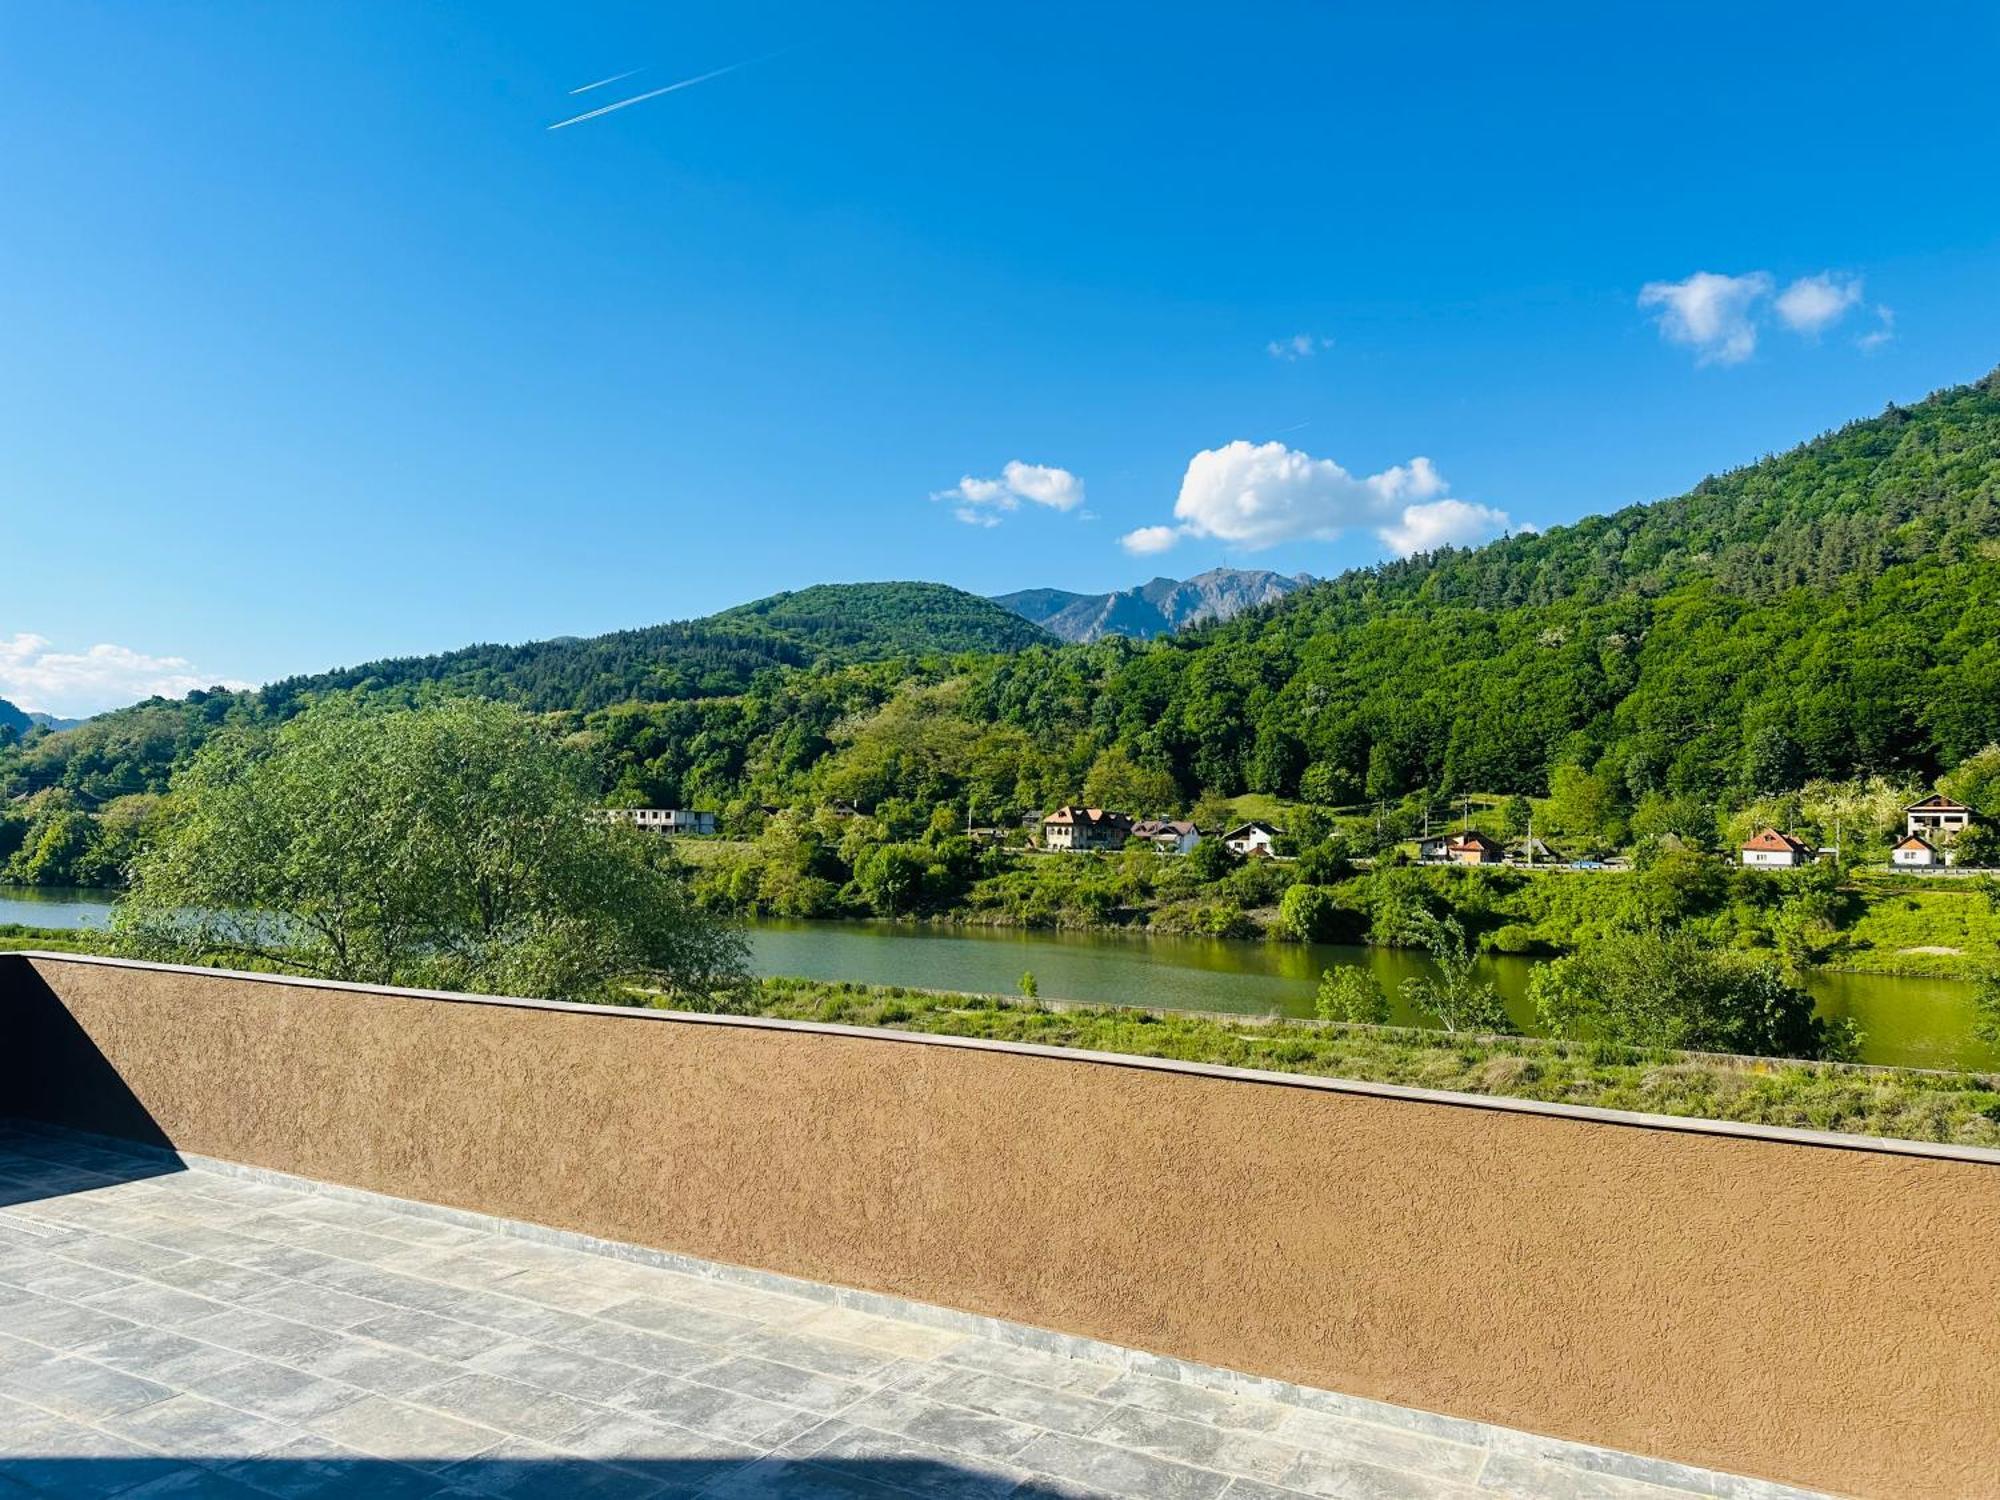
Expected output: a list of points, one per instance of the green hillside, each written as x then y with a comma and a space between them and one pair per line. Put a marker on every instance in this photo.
133, 749
1831, 612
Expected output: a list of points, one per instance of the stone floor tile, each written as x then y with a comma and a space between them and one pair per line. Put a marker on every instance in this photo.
159, 1354
411, 1434
507, 1405
810, 1352
1014, 1399
67, 1280
654, 1353
1050, 1371
1390, 1447
560, 1370
193, 1428
429, 1334
938, 1425
273, 1390
1535, 1479
528, 1471
704, 1408
280, 1260
315, 1468
1240, 1454
63, 1324
1255, 1489
1177, 1398
1119, 1471
215, 1279
885, 1335
1356, 1479
133, 1257
259, 1333
770, 1381
623, 1437
682, 1320
374, 1367
317, 1306
80, 1390
897, 1459
154, 1305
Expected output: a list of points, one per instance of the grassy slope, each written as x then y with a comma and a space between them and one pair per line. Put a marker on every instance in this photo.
1962, 1108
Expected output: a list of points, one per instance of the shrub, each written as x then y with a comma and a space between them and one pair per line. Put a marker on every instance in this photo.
1350, 993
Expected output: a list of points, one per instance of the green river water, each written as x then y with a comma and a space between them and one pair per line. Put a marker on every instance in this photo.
1911, 1022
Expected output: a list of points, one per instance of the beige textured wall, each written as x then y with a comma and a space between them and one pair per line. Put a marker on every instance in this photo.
1820, 1315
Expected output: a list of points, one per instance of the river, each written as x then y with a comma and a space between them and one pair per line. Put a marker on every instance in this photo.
1923, 1023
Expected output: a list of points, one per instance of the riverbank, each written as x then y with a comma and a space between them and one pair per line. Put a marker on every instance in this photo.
1859, 921
1902, 1104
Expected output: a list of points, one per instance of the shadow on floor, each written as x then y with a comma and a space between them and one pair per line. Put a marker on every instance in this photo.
518, 1479
36, 1164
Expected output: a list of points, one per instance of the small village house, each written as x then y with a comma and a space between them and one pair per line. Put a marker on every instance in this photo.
1532, 851
1078, 830
1937, 818
673, 820
1473, 848
1168, 835
1252, 838
1915, 852
1431, 848
1768, 849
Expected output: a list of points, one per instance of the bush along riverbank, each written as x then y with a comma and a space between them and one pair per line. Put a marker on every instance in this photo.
1903, 1104
1858, 920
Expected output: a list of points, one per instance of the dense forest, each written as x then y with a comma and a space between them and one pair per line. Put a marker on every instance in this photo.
1830, 613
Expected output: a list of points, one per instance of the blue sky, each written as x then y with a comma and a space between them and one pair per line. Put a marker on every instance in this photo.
317, 345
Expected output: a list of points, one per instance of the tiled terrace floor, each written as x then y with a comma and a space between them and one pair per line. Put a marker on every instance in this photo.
199, 1332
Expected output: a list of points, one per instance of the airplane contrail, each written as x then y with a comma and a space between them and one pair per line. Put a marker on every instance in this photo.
685, 83
614, 78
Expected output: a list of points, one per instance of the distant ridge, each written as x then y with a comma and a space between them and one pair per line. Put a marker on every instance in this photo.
1161, 607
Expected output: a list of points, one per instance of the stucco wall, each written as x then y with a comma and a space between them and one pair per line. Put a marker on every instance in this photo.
1789, 1308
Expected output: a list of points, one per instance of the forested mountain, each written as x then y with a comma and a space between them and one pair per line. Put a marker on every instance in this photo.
1829, 612
706, 658
13, 722
133, 749
1153, 609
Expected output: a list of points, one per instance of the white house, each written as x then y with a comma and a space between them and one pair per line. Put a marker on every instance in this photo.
1768, 849
1915, 852
663, 819
1168, 835
1252, 838
1937, 816
1079, 829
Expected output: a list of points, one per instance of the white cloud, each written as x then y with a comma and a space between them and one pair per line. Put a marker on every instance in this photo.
1710, 313
1298, 346
1149, 539
979, 502
1883, 331
1457, 523
1254, 495
1812, 304
1044, 484
71, 684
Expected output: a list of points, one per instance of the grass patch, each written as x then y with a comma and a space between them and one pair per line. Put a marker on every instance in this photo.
1959, 1108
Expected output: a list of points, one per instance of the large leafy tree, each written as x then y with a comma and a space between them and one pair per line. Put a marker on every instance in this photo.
448, 847
1669, 988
